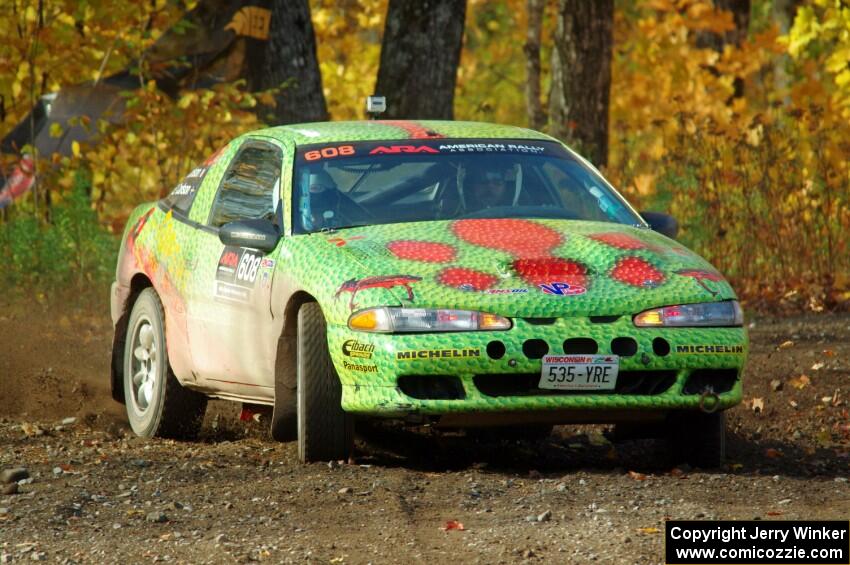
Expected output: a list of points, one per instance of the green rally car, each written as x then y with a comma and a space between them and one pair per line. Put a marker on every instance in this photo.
453, 273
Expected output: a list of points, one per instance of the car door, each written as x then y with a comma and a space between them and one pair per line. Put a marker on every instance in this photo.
229, 311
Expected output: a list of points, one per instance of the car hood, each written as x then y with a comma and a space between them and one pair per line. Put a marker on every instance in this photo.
517, 267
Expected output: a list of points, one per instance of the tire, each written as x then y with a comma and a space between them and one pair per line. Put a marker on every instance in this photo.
325, 431
698, 439
157, 405
284, 424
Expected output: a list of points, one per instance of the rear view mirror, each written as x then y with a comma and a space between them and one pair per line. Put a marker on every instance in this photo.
256, 234
662, 223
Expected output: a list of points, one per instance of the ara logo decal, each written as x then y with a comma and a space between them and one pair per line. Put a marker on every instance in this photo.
562, 289
396, 149
229, 259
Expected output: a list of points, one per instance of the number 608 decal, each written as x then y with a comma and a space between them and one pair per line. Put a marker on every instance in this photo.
329, 152
238, 266
248, 265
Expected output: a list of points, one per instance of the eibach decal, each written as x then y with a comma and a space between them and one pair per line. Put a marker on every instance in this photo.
388, 281
357, 348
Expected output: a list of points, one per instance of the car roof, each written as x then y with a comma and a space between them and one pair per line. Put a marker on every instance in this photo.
380, 130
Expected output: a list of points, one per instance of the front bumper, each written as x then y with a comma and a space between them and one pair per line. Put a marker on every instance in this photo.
655, 377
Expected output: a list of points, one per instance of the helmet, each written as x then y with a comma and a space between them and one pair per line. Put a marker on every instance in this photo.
320, 202
485, 183
321, 181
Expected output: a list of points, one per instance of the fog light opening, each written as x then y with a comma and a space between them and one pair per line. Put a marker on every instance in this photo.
496, 349
660, 346
624, 346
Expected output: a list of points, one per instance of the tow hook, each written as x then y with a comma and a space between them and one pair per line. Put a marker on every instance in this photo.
709, 402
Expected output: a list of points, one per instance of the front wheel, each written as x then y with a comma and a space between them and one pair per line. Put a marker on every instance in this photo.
157, 405
325, 431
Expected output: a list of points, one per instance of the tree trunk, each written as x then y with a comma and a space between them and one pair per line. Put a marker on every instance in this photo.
291, 62
420, 53
581, 76
740, 14
534, 108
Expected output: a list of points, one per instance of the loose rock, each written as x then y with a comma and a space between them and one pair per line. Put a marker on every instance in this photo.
156, 517
14, 475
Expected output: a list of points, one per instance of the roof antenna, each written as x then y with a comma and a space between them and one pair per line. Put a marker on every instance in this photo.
375, 105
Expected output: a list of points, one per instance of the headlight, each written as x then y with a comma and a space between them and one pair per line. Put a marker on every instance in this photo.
403, 320
726, 313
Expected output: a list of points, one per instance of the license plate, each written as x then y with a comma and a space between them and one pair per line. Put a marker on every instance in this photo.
579, 372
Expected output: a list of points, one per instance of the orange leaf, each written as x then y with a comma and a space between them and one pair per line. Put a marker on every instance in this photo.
637, 476
453, 525
773, 453
800, 382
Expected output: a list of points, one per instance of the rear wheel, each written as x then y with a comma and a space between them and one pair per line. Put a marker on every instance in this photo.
157, 405
698, 439
325, 431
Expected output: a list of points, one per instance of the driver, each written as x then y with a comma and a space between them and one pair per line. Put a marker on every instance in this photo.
486, 186
324, 200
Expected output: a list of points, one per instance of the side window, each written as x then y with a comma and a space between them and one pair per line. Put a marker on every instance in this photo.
249, 188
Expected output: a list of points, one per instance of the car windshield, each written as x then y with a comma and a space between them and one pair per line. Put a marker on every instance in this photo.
384, 182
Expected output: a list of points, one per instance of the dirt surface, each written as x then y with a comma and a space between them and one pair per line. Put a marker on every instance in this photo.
97, 494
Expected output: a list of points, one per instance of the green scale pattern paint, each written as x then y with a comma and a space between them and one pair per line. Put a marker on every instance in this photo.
610, 269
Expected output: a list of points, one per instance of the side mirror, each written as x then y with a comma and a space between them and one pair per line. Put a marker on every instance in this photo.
256, 234
662, 223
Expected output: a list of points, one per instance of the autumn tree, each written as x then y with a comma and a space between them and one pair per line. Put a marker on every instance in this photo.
290, 61
534, 107
420, 54
740, 11
581, 76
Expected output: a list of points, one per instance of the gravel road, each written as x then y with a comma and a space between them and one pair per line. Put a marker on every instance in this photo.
90, 492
